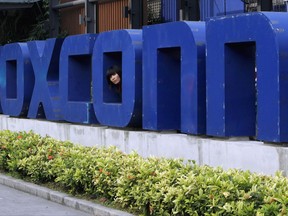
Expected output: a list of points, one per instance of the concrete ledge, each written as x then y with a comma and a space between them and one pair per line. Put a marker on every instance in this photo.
57, 197
240, 153
61, 198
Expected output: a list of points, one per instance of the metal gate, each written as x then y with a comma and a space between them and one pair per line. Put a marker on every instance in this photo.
153, 12
121, 14
70, 21
95, 16
111, 15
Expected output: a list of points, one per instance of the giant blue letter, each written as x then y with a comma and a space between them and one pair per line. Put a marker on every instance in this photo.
174, 77
45, 100
240, 49
17, 80
1, 48
76, 78
121, 48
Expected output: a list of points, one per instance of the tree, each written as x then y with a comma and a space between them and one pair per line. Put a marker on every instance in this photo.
19, 25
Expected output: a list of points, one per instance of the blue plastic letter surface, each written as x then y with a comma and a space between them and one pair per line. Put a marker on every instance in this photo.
17, 79
247, 65
1, 48
123, 106
174, 77
45, 101
76, 78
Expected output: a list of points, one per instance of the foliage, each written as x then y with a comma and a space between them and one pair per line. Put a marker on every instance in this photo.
26, 24
149, 186
40, 30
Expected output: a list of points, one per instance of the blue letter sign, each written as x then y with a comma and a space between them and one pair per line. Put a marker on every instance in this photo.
241, 49
45, 101
1, 48
174, 77
226, 77
76, 78
17, 80
121, 48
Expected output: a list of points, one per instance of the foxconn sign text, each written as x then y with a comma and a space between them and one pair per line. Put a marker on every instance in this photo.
224, 77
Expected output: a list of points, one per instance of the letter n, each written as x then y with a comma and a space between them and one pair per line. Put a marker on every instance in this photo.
174, 77
122, 48
247, 85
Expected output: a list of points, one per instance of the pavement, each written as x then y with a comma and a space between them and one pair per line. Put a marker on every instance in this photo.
20, 198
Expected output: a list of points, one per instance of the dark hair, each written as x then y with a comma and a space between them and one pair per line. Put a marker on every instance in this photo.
112, 71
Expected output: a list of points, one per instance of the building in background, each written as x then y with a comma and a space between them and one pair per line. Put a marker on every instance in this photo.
16, 4
178, 10
280, 5
94, 16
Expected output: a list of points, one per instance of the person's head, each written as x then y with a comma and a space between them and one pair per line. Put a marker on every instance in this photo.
113, 75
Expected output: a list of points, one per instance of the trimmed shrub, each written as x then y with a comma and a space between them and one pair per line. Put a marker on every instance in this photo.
148, 186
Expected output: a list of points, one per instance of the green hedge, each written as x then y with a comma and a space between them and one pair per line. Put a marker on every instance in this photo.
151, 186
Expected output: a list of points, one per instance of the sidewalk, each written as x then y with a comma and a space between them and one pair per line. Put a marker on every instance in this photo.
42, 201
15, 203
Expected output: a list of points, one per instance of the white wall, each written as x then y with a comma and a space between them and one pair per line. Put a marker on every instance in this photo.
228, 153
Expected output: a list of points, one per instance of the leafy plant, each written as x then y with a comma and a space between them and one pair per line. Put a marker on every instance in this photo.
21, 25
40, 30
148, 186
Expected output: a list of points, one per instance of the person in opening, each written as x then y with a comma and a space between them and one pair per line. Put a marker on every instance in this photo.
114, 78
